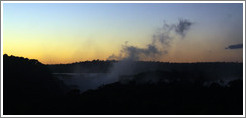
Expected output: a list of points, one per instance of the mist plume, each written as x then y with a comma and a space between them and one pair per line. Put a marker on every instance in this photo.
158, 46
153, 51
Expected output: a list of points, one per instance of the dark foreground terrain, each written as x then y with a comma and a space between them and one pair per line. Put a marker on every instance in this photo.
29, 88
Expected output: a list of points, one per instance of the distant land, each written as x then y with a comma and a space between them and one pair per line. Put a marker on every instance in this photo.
122, 88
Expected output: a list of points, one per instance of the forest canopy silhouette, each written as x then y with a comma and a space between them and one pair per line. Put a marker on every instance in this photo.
160, 88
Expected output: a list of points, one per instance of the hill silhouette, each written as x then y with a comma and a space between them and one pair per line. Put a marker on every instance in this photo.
100, 66
95, 66
136, 97
160, 89
28, 86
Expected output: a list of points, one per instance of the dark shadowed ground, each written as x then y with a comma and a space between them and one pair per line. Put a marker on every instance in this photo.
153, 88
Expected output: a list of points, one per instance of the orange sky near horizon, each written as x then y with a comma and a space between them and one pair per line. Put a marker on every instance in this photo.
67, 33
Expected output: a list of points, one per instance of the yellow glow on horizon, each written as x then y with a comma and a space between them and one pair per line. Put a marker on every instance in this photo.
67, 33
50, 51
53, 51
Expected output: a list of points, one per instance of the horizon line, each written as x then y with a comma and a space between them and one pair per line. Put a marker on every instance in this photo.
105, 60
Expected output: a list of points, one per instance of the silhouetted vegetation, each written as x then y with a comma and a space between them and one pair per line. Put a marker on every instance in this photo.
95, 66
172, 99
99, 66
159, 89
177, 97
29, 87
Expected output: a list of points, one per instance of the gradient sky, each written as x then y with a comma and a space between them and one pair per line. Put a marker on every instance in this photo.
70, 32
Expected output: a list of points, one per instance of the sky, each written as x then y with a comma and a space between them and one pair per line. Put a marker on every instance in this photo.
56, 33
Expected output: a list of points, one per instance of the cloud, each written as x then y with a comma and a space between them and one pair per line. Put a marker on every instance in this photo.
182, 27
236, 46
159, 45
114, 57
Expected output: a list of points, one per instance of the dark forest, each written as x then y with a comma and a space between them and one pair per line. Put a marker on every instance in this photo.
152, 88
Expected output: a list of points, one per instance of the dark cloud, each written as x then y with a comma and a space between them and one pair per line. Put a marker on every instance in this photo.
136, 53
236, 46
182, 27
113, 57
157, 47
159, 43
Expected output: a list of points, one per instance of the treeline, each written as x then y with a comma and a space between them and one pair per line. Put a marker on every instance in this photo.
158, 99
28, 86
160, 93
95, 66
98, 66
30, 89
